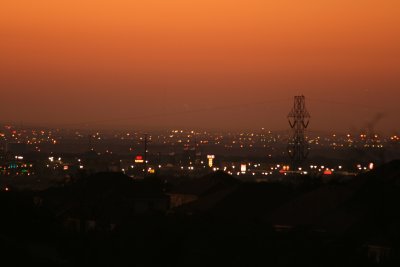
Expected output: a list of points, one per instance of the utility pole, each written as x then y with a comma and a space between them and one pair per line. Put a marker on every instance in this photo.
195, 145
90, 148
299, 119
145, 154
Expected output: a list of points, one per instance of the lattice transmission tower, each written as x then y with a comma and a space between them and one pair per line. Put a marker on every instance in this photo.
299, 119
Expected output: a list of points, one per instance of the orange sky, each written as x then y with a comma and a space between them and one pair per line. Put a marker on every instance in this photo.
212, 64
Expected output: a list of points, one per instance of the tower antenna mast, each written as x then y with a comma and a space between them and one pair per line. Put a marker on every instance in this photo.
299, 119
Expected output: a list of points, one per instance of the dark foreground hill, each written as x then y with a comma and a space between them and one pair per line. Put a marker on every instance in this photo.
110, 219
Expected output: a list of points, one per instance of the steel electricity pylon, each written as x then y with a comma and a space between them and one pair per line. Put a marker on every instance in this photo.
299, 119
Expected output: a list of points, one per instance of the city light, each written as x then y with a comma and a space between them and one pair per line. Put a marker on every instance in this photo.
210, 160
243, 168
371, 166
139, 159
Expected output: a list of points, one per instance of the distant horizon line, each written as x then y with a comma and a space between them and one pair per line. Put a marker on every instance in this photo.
148, 129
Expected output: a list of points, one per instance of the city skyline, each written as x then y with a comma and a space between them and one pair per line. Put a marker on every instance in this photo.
206, 64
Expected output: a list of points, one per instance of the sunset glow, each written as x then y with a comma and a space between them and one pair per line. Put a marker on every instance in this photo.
186, 63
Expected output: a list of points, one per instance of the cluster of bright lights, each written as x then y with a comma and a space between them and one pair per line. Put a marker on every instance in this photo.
395, 138
370, 166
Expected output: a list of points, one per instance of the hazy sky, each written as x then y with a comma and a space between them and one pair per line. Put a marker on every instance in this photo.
224, 64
